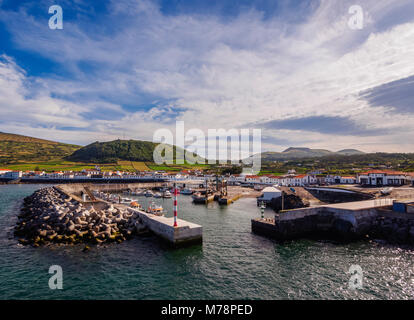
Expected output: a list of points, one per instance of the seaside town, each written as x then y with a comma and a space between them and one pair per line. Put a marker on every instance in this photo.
216, 152
372, 178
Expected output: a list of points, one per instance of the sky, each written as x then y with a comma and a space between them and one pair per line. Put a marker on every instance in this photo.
295, 69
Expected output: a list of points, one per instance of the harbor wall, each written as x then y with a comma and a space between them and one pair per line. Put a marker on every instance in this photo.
339, 224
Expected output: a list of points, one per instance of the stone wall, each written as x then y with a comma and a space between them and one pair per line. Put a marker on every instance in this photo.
339, 224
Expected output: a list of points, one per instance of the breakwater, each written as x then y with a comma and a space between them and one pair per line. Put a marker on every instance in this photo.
51, 216
343, 222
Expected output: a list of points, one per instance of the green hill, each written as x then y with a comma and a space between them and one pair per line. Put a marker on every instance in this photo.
16, 148
113, 151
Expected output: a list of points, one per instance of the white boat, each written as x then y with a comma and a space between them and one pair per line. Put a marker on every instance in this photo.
386, 191
167, 194
149, 193
138, 193
126, 200
157, 195
187, 191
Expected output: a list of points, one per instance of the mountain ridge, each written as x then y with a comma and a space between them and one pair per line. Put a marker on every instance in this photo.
303, 152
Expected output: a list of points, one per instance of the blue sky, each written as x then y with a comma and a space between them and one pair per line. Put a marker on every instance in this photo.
295, 69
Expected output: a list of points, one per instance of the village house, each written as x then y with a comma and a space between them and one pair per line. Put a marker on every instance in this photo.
348, 180
4, 171
13, 174
382, 178
253, 179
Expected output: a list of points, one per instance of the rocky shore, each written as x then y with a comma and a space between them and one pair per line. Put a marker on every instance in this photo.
50, 216
393, 230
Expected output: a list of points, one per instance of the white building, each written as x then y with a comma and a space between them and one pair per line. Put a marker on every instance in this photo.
13, 174
348, 180
4, 171
268, 194
382, 178
253, 179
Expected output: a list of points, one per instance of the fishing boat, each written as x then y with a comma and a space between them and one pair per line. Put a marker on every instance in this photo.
149, 193
155, 209
135, 204
198, 198
167, 194
187, 191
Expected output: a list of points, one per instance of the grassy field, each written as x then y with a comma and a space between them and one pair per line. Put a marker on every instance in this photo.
51, 166
131, 166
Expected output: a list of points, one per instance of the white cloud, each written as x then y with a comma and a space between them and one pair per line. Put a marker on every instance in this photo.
221, 73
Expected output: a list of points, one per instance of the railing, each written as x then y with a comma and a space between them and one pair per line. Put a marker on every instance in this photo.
383, 202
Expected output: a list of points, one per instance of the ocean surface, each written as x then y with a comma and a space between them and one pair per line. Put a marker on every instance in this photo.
232, 263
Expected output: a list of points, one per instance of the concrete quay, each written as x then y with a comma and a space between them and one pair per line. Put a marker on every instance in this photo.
185, 233
343, 222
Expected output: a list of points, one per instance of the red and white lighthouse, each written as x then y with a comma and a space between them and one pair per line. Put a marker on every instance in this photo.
175, 205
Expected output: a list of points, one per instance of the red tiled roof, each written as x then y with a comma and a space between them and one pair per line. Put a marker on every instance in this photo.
300, 176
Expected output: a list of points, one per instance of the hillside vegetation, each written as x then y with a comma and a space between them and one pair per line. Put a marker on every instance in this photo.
19, 149
299, 153
117, 150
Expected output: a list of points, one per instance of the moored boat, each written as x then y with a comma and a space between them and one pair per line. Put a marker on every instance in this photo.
135, 204
155, 209
198, 198
167, 194
187, 191
149, 193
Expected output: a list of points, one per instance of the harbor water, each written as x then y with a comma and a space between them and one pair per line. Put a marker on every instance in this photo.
232, 263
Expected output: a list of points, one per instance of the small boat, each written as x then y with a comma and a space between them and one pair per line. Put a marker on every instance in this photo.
149, 193
135, 204
126, 200
155, 209
187, 191
386, 191
138, 192
157, 195
167, 194
198, 198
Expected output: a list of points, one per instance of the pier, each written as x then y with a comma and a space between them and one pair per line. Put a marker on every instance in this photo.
184, 233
